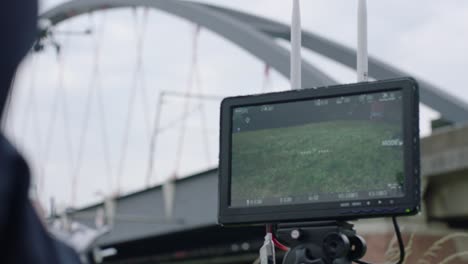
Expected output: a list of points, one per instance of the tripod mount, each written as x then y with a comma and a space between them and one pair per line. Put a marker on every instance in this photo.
330, 242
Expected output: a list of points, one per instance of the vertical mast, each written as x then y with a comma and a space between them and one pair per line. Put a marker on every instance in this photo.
296, 43
362, 54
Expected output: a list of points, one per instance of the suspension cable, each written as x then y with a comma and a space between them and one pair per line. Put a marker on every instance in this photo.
104, 132
34, 113
137, 78
88, 105
154, 139
195, 81
204, 124
180, 119
96, 73
186, 106
125, 139
57, 105
139, 74
65, 112
158, 129
50, 131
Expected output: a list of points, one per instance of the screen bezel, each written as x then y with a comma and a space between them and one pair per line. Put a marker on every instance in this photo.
406, 205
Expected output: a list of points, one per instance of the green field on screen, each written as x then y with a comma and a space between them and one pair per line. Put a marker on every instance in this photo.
326, 157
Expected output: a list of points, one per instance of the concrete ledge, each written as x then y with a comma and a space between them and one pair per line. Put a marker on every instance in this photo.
444, 163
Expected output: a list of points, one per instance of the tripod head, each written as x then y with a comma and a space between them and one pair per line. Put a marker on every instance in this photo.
321, 243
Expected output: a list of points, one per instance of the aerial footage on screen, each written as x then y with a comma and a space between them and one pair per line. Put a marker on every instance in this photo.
329, 149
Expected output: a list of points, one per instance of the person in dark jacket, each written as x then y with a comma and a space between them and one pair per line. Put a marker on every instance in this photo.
23, 237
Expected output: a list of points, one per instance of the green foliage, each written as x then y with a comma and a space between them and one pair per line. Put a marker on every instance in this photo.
328, 157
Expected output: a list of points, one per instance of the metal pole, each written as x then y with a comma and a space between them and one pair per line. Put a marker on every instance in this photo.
362, 54
296, 43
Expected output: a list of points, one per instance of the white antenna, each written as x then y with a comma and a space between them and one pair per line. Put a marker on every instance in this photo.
296, 43
362, 54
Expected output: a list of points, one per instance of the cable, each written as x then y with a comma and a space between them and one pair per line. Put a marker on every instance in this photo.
138, 78
96, 77
158, 129
401, 245
88, 108
203, 117
279, 245
205, 97
186, 107
125, 139
154, 140
139, 72
104, 134
50, 130
64, 104
58, 106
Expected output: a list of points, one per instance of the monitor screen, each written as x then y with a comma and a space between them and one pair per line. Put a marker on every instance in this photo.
329, 149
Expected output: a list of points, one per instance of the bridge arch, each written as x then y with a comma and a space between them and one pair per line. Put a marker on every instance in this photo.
448, 105
256, 35
253, 41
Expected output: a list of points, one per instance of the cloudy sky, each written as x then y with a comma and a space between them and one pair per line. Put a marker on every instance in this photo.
425, 38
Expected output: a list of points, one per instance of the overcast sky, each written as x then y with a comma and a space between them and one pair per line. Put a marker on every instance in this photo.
428, 39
